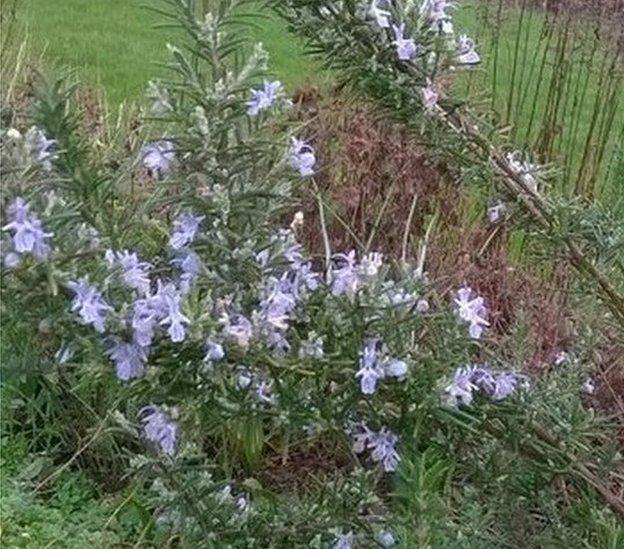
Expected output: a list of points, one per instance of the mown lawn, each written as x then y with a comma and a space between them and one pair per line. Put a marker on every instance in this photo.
113, 43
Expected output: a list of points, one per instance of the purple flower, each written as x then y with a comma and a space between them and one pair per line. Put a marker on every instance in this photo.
344, 541
134, 273
461, 390
370, 264
302, 157
381, 16
276, 341
422, 306
263, 392
505, 385
471, 310
386, 539
466, 53
244, 379
263, 98
160, 308
89, 304
371, 370
157, 157
190, 264
430, 96
405, 47
312, 348
44, 149
214, 351
361, 434
184, 229
12, 260
395, 368
482, 378
27, 231
146, 313
496, 212
401, 298
383, 446
524, 169
345, 277
435, 11
129, 360
159, 429
240, 329
469, 381
170, 299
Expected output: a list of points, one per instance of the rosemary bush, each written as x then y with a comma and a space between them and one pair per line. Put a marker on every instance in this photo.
160, 320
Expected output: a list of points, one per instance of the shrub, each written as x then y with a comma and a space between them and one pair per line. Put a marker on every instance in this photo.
180, 327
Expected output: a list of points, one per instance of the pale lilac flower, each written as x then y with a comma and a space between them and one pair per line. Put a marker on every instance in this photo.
159, 308
344, 541
240, 329
26, 230
589, 387
12, 260
145, 318
430, 96
405, 47
191, 266
158, 157
466, 53
184, 229
312, 348
371, 371
263, 98
402, 298
344, 274
159, 429
381, 16
505, 385
561, 357
461, 390
383, 446
170, 299
129, 360
524, 169
386, 539
242, 503
435, 11
134, 273
305, 277
370, 264
361, 434
89, 304
263, 392
469, 381
214, 351
395, 368
472, 311
244, 379
279, 301
64, 354
496, 212
302, 157
422, 306
276, 341
44, 149
482, 378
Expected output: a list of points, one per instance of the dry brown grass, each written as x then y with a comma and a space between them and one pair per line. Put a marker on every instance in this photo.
370, 165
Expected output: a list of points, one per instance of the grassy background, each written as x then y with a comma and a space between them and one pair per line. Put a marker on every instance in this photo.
113, 43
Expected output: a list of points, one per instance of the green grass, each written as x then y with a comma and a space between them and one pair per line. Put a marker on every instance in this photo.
113, 43
559, 93
70, 513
